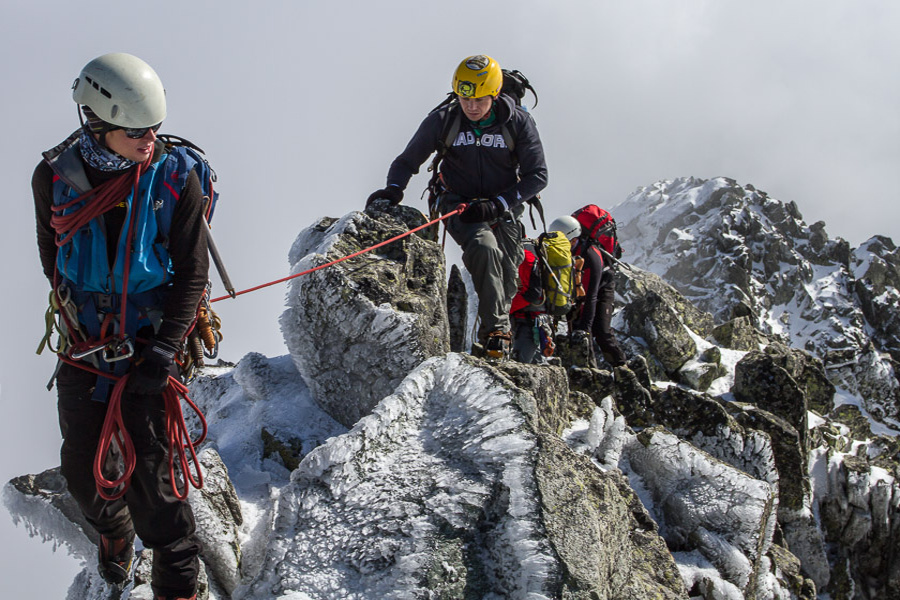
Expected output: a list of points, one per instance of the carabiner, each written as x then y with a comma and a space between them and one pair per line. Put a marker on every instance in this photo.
118, 350
88, 352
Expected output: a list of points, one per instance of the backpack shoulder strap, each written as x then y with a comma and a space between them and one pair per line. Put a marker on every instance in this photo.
192, 157
179, 162
508, 137
451, 127
65, 161
451, 124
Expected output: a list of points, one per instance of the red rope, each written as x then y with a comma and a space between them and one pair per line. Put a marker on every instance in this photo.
180, 443
126, 268
102, 199
181, 447
114, 429
458, 210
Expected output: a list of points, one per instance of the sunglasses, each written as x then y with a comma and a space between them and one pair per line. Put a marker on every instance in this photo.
137, 133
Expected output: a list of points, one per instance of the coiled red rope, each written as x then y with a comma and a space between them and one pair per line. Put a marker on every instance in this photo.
114, 429
180, 445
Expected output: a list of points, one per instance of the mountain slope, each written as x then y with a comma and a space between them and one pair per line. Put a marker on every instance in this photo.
733, 250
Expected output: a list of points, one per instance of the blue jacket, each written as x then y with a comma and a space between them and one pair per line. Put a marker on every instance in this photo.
175, 259
84, 262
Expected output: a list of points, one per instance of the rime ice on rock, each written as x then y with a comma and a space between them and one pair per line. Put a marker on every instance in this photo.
447, 452
356, 329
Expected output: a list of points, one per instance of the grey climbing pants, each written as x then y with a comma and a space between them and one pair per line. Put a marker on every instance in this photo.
491, 252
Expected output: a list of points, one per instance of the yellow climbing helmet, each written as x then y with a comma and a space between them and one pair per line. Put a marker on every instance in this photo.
478, 76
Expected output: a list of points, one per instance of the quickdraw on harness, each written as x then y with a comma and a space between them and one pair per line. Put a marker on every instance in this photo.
92, 339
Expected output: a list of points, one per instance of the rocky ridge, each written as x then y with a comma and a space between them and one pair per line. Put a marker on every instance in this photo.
752, 262
703, 469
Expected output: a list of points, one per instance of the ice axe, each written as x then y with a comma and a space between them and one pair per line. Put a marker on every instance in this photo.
613, 258
217, 258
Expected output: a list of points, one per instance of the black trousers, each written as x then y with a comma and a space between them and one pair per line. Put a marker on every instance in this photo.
149, 507
601, 328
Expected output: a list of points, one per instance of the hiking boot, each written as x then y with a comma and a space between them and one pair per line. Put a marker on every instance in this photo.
497, 346
116, 557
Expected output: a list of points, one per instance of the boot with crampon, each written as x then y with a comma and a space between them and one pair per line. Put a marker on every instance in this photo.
497, 346
116, 557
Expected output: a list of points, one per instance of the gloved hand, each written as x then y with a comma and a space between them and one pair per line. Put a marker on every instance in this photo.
391, 193
150, 375
482, 210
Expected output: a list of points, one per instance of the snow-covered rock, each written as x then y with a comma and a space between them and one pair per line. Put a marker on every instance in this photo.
449, 486
356, 329
723, 461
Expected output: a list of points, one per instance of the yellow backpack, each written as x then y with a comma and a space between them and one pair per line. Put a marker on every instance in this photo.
558, 273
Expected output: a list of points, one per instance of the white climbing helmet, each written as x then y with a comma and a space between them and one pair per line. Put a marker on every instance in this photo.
568, 225
121, 89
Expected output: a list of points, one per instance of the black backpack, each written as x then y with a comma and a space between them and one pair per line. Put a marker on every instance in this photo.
515, 84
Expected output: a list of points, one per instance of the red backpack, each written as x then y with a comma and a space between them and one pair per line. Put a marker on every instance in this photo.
598, 226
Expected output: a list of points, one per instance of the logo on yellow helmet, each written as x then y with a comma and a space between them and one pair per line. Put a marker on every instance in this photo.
466, 89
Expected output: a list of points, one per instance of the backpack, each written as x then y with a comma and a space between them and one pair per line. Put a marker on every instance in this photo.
558, 273
515, 84
599, 228
204, 335
187, 157
530, 295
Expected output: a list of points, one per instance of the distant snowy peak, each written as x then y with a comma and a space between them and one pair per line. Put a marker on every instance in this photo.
733, 250
723, 244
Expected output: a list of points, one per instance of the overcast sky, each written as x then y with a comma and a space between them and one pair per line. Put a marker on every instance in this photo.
301, 107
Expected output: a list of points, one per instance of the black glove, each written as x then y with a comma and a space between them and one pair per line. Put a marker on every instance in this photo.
391, 193
150, 375
482, 210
